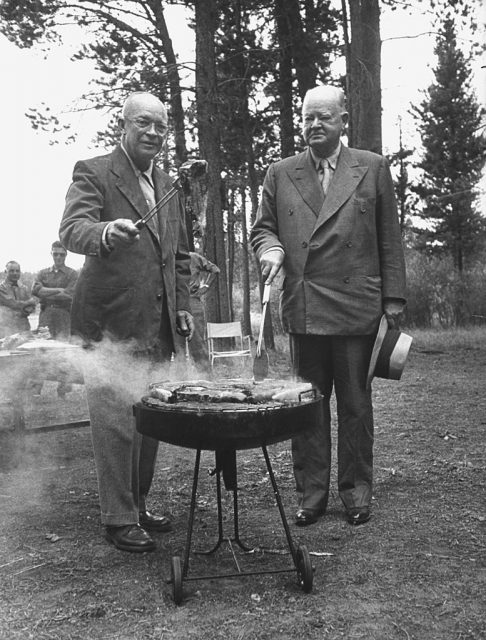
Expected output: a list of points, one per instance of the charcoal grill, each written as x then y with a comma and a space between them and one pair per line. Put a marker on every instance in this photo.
226, 428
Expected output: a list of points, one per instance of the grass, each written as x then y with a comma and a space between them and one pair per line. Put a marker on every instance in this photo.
424, 339
416, 570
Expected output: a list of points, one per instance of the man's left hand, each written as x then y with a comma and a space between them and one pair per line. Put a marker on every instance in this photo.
393, 310
185, 324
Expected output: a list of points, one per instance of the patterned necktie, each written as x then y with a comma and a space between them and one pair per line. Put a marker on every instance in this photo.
324, 175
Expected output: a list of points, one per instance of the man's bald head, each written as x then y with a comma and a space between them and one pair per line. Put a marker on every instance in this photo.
141, 100
326, 93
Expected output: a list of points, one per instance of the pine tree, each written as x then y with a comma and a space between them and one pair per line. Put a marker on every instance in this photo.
449, 120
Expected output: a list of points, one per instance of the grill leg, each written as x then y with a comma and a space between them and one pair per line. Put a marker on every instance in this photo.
187, 550
280, 505
217, 472
220, 517
235, 518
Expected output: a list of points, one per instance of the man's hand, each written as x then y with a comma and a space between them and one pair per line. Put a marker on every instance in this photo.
393, 309
28, 307
185, 324
270, 263
121, 233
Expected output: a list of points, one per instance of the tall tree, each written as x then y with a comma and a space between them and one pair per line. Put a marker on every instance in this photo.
209, 132
402, 182
449, 121
363, 63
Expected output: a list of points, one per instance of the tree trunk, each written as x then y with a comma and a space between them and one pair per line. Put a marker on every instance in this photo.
347, 57
365, 75
176, 110
242, 66
209, 144
302, 54
245, 275
231, 242
284, 80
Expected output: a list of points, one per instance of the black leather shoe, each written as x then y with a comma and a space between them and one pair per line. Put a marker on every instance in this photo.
304, 517
130, 537
152, 522
358, 516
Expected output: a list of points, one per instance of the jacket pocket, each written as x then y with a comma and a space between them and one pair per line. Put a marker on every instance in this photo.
364, 205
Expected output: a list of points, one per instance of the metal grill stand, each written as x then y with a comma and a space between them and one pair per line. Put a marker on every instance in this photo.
180, 568
226, 431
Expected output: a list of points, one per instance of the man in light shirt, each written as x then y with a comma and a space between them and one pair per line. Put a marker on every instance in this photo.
16, 302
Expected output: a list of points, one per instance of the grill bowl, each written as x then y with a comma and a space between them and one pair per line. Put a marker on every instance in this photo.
225, 426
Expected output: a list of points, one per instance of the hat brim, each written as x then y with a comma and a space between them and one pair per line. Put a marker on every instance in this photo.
380, 336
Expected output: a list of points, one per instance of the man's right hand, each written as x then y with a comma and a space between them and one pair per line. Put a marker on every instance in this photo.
121, 233
270, 264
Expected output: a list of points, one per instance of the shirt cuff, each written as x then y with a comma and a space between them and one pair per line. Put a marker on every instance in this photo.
275, 248
104, 240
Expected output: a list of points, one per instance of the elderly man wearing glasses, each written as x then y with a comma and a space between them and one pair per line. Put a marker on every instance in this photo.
131, 298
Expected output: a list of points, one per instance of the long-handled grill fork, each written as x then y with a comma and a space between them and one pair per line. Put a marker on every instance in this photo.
167, 197
191, 168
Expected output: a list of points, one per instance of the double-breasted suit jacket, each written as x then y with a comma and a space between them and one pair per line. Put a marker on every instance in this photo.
343, 253
120, 293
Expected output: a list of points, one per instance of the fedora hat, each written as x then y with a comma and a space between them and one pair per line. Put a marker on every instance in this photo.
389, 354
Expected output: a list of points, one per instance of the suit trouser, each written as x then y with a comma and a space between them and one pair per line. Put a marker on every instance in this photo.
342, 362
117, 447
125, 460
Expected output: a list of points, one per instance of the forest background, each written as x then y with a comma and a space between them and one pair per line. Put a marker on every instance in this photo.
237, 102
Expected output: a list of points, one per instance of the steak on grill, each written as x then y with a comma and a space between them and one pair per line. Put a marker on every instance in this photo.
230, 391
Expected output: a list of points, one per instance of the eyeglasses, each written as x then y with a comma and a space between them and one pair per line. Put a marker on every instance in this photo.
145, 123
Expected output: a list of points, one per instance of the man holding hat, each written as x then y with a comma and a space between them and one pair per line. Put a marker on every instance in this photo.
328, 216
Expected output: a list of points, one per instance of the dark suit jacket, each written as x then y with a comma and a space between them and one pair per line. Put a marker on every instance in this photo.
120, 293
343, 253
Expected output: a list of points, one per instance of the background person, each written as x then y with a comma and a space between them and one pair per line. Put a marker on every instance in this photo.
16, 303
131, 297
203, 275
54, 286
329, 216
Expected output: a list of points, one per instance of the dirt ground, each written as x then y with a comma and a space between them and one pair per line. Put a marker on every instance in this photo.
417, 570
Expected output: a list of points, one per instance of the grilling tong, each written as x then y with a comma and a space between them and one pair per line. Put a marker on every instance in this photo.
260, 362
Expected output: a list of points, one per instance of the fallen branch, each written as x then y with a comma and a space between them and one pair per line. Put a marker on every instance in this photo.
11, 562
36, 566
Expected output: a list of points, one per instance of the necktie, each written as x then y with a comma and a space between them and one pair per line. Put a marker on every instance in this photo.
149, 195
147, 189
325, 175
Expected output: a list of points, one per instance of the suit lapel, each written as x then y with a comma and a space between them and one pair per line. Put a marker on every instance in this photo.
127, 183
305, 179
346, 178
